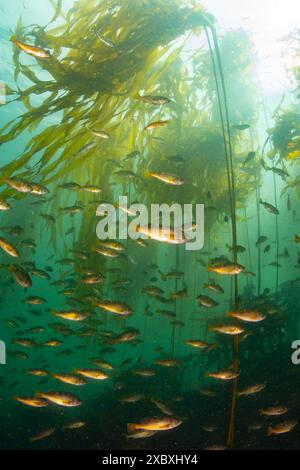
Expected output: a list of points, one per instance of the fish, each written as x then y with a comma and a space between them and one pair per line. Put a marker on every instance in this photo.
155, 124
154, 424
206, 301
162, 406
89, 188
85, 149
35, 300
100, 133
196, 343
140, 434
32, 401
241, 127
71, 379
118, 308
43, 434
153, 99
8, 248
70, 315
297, 239
71, 185
22, 277
25, 342
227, 268
107, 252
132, 155
132, 398
176, 159
48, 218
252, 316
37, 372
281, 428
166, 362
92, 279
278, 171
161, 234
95, 374
228, 329
102, 364
75, 425
4, 206
251, 390
112, 245
145, 372
276, 410
222, 375
249, 158
261, 239
214, 287
52, 343
126, 336
31, 50
38, 189
167, 178
61, 398
269, 207
237, 249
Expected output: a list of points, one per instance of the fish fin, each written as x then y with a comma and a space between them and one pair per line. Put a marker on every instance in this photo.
131, 428
162, 275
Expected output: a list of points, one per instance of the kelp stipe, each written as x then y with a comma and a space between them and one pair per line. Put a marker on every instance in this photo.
225, 123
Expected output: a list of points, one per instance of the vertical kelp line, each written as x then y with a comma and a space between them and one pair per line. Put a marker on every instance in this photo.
221, 117
230, 176
277, 237
247, 240
257, 197
181, 307
268, 141
175, 306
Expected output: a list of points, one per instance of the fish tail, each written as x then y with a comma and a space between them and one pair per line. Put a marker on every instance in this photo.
13, 38
261, 201
147, 174
209, 269
131, 428
137, 96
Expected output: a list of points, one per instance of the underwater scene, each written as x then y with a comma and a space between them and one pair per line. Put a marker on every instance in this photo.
149, 224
